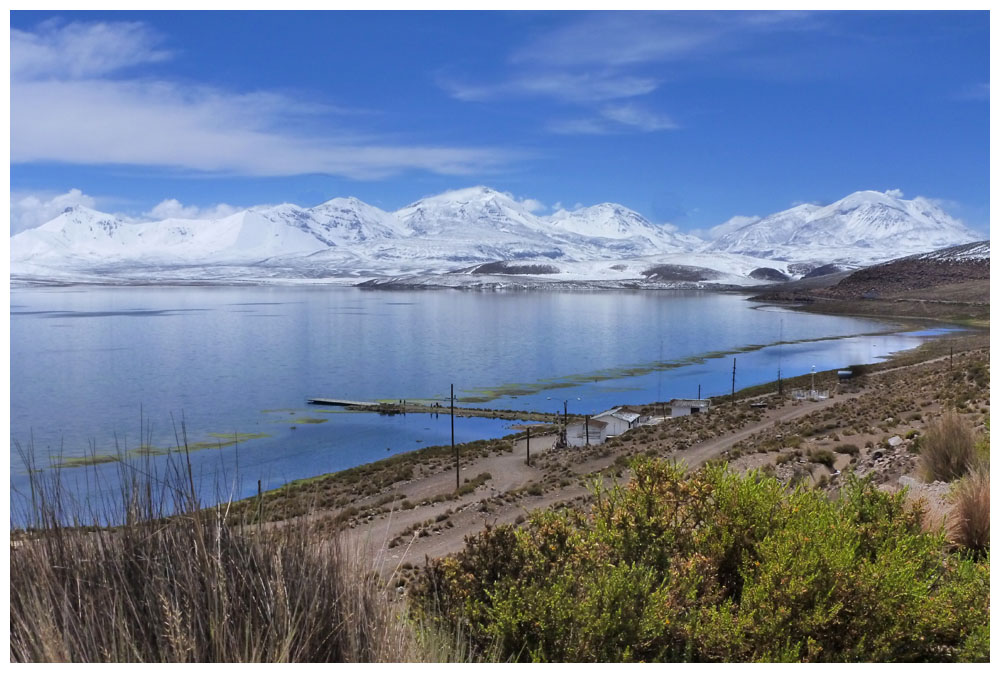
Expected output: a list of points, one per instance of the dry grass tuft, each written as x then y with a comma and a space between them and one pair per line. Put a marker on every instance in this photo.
971, 513
947, 449
191, 587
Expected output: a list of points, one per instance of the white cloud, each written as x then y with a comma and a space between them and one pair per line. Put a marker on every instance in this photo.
732, 224
614, 119
78, 50
61, 112
894, 193
622, 39
533, 205
31, 209
172, 208
592, 127
642, 120
979, 91
573, 87
599, 57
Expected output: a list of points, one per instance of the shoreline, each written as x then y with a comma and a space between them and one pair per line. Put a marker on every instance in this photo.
902, 323
398, 511
440, 454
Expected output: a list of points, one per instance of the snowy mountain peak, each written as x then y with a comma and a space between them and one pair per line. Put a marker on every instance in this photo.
866, 226
480, 225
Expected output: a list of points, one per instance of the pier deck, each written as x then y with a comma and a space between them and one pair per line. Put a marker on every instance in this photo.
340, 403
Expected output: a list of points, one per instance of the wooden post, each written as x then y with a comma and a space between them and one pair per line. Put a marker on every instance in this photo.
951, 356
732, 397
260, 504
586, 424
699, 391
565, 422
453, 434
527, 448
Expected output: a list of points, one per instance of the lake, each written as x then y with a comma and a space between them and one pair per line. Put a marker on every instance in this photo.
95, 370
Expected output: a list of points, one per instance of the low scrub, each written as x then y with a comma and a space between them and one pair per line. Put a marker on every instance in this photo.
715, 567
947, 448
849, 449
823, 457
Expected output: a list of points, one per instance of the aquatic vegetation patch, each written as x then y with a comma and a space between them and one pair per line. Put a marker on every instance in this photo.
220, 440
82, 461
491, 393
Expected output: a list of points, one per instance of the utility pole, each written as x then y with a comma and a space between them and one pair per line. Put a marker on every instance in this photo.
453, 434
565, 420
732, 396
527, 448
781, 340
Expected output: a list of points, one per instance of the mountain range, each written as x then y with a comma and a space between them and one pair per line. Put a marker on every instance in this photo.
475, 232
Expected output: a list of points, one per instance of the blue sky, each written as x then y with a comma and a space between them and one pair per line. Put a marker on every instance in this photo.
689, 118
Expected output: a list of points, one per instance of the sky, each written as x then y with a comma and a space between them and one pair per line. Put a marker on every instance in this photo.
689, 118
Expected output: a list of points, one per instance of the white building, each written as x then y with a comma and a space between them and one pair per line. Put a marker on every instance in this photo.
619, 420
687, 407
586, 432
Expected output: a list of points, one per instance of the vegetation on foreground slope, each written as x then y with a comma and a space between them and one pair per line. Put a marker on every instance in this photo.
191, 588
717, 567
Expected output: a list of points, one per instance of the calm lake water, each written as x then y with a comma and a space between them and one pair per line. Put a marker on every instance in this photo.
96, 368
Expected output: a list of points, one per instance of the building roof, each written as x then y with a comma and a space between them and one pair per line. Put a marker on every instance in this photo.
688, 403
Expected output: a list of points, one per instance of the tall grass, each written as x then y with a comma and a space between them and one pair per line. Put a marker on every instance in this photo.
971, 513
189, 587
947, 449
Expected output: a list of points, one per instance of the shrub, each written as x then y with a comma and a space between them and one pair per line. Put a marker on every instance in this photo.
715, 567
849, 449
822, 456
971, 513
947, 449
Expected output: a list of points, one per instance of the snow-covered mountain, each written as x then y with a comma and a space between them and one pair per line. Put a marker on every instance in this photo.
863, 227
461, 230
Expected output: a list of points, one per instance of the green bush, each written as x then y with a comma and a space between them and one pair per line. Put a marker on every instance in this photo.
715, 567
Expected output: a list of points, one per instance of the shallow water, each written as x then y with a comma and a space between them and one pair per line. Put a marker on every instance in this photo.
93, 369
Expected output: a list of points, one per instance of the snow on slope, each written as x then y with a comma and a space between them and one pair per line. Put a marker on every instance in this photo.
960, 253
863, 227
345, 238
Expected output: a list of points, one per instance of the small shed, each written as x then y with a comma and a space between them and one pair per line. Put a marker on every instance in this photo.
619, 420
586, 432
688, 407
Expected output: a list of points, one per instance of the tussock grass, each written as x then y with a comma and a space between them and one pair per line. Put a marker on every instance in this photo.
191, 586
971, 512
947, 449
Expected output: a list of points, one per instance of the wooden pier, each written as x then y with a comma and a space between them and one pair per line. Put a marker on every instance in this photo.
340, 403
